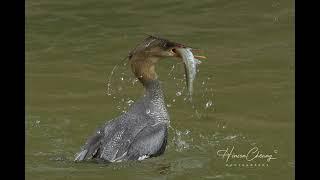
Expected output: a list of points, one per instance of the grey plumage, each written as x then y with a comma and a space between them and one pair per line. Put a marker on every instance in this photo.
140, 132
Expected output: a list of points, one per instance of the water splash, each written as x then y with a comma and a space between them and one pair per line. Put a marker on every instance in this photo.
178, 93
109, 80
202, 104
182, 139
130, 102
208, 104
171, 70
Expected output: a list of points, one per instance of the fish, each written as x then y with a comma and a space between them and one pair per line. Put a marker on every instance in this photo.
190, 67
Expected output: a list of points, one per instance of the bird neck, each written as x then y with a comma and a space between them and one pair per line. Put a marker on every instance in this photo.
144, 69
154, 101
153, 89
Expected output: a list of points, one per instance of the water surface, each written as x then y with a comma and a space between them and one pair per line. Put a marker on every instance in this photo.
243, 93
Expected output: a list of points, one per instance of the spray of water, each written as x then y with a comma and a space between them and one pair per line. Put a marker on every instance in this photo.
199, 108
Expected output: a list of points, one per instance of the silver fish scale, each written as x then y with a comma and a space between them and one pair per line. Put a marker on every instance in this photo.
190, 66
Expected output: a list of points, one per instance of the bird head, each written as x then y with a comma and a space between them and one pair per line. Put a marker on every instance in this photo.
153, 48
145, 55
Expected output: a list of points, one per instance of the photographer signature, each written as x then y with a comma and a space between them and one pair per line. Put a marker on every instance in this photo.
251, 155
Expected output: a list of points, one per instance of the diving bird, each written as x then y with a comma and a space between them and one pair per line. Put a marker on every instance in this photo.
142, 131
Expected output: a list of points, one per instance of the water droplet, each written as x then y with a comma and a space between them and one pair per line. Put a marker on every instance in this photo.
108, 89
168, 105
130, 102
173, 100
134, 82
172, 68
118, 107
178, 93
148, 111
122, 78
198, 114
109, 80
208, 104
201, 136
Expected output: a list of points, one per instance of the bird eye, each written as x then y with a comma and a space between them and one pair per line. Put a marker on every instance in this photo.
173, 50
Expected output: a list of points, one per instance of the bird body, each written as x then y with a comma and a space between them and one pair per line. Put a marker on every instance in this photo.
142, 131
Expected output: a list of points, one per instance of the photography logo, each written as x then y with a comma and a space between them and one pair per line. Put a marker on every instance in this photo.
253, 157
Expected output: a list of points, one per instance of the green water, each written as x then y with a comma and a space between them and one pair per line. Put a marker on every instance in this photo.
72, 46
